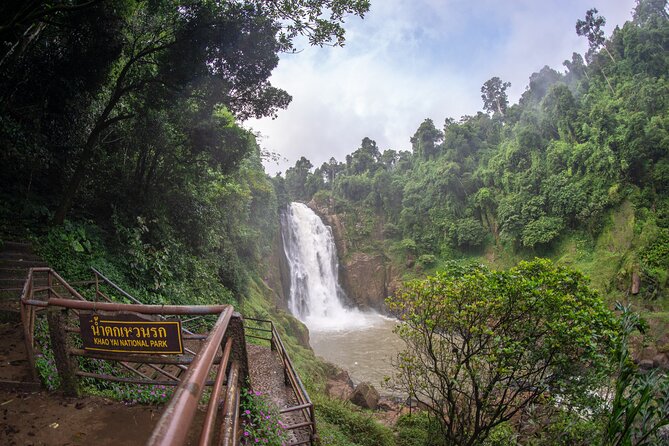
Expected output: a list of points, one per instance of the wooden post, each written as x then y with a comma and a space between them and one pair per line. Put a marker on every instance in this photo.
272, 341
59, 344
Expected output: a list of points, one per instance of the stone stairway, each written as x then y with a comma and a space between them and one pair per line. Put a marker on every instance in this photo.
266, 376
16, 258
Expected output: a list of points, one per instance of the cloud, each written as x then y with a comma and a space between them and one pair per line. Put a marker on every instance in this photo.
408, 61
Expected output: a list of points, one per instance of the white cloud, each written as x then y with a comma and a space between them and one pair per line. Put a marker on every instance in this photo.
408, 61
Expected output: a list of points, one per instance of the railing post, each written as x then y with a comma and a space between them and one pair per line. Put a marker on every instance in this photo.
60, 345
49, 282
272, 341
236, 332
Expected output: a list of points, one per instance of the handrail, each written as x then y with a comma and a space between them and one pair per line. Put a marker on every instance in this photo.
173, 426
145, 309
210, 419
116, 287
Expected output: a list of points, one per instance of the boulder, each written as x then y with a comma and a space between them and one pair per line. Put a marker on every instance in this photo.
661, 360
339, 386
365, 396
646, 364
648, 353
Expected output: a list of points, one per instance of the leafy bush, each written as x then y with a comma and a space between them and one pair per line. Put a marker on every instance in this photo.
501, 435
542, 231
417, 429
427, 260
468, 232
536, 321
357, 427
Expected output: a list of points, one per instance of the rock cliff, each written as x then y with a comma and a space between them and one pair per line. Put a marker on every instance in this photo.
364, 276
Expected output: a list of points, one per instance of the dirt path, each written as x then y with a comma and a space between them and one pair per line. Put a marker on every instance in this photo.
43, 418
266, 373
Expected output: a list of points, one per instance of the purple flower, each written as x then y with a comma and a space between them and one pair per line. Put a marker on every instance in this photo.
247, 412
246, 434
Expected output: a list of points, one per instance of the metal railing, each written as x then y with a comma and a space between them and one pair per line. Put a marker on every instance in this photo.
304, 404
60, 301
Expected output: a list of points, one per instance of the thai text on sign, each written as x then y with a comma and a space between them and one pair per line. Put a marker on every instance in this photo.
130, 333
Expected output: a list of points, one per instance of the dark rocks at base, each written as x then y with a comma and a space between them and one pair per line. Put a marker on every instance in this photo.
646, 364
365, 396
661, 360
339, 386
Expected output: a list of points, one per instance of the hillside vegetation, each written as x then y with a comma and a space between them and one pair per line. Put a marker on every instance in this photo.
122, 148
577, 170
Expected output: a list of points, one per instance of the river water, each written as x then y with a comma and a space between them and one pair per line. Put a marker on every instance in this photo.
362, 343
365, 352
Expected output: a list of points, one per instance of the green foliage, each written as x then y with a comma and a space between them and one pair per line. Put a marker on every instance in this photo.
469, 233
427, 260
640, 405
260, 420
356, 427
501, 435
44, 360
417, 429
537, 328
136, 394
568, 428
542, 231
72, 248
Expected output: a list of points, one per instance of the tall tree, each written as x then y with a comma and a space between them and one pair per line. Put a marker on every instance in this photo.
493, 93
425, 142
591, 28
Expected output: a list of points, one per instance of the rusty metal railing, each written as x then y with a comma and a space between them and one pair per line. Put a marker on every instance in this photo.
304, 404
58, 299
173, 426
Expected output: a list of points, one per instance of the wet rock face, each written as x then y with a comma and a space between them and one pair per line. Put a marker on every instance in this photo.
364, 279
365, 396
363, 276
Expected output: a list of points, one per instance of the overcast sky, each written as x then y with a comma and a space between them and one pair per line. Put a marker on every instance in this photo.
414, 59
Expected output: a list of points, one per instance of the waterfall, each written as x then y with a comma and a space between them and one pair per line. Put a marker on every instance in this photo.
315, 294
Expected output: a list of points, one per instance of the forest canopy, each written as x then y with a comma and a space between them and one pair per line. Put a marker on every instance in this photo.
578, 144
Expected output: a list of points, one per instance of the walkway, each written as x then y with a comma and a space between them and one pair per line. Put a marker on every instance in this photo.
15, 260
266, 373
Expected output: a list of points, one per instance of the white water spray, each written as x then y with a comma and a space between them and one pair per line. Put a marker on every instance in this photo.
315, 294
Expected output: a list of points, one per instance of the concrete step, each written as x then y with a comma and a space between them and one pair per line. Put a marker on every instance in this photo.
19, 256
16, 246
12, 283
13, 273
8, 263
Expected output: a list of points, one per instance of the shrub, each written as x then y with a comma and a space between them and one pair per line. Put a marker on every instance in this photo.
358, 427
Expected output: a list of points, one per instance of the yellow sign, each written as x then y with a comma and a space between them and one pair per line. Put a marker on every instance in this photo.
129, 333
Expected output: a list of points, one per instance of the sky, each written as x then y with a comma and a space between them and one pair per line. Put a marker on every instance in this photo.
409, 60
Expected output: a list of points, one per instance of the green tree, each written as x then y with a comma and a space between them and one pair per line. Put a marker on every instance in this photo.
640, 405
296, 179
483, 345
425, 142
493, 93
591, 28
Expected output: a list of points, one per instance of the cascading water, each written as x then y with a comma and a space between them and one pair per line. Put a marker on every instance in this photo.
315, 295
362, 343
